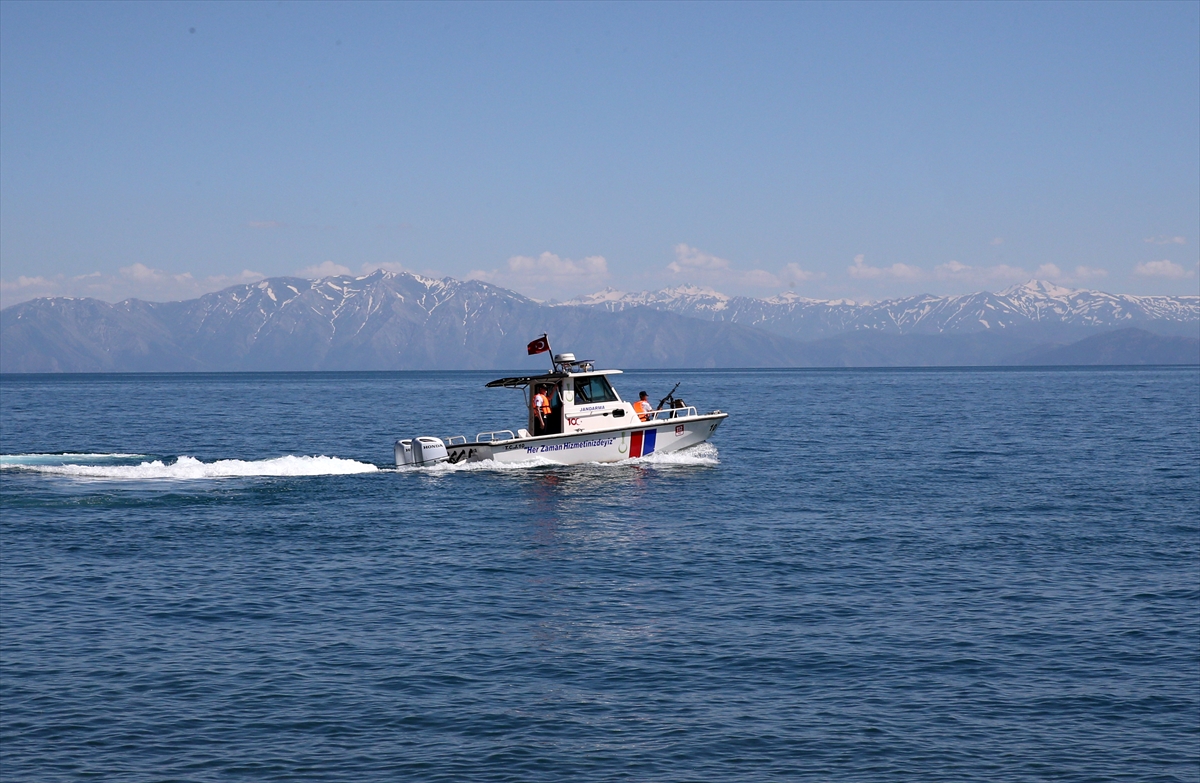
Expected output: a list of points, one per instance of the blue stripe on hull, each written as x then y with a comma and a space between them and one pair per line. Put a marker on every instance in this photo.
648, 442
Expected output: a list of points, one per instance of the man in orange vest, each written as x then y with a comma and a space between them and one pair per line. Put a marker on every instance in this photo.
642, 407
541, 410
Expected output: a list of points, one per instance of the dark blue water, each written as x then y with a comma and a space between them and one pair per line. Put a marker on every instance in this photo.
943, 575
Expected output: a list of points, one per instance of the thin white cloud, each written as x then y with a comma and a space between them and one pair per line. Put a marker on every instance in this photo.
691, 259
144, 274
792, 274
134, 281
860, 270
323, 269
998, 241
387, 266
26, 282
1164, 268
863, 271
1004, 273
760, 278
549, 266
1089, 273
1163, 239
695, 264
547, 275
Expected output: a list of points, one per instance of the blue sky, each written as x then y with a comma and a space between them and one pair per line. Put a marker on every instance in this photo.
838, 150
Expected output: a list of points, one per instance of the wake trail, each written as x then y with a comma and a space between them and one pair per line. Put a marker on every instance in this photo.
184, 467
101, 466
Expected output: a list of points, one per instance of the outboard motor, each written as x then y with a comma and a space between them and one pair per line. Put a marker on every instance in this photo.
421, 451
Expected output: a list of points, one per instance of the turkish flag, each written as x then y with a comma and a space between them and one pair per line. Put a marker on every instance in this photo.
540, 345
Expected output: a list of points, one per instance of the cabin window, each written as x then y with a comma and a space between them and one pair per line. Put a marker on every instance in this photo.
593, 388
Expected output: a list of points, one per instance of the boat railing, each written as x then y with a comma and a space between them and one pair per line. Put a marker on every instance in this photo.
488, 437
671, 413
456, 440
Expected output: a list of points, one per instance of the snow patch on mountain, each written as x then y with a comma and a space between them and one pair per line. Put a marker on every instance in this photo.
1030, 305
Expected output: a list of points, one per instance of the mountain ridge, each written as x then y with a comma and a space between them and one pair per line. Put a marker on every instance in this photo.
386, 321
1036, 308
380, 321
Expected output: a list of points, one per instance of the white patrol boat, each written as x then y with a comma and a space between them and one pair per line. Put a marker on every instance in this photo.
588, 422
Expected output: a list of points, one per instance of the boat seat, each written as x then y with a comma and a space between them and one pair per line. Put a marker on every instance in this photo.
522, 433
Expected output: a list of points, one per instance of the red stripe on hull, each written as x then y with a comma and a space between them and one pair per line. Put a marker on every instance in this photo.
635, 444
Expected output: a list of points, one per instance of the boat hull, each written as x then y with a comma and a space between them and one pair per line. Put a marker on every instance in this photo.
612, 445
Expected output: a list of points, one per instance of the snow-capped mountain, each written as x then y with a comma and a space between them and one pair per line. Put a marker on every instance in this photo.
363, 322
404, 321
378, 321
1035, 308
687, 297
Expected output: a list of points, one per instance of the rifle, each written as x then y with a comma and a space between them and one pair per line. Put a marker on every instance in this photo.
670, 396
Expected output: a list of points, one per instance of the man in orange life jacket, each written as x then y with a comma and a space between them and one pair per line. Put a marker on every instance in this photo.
642, 407
541, 411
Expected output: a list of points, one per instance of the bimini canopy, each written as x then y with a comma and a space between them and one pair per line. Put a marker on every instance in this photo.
551, 377
524, 380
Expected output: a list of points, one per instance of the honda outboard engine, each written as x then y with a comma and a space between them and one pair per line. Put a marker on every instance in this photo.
416, 452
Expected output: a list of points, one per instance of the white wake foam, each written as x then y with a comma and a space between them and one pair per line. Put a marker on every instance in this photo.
700, 454
192, 468
98, 466
484, 465
17, 460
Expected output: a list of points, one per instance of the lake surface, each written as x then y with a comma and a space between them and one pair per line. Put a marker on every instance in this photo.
922, 575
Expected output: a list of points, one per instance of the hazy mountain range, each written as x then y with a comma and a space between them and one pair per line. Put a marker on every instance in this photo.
1036, 309
386, 321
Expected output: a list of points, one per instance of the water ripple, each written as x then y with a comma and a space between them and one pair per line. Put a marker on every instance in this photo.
912, 576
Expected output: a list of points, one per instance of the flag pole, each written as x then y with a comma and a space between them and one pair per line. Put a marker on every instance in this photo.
550, 351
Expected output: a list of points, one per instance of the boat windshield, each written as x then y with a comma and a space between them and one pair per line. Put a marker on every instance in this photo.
593, 388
